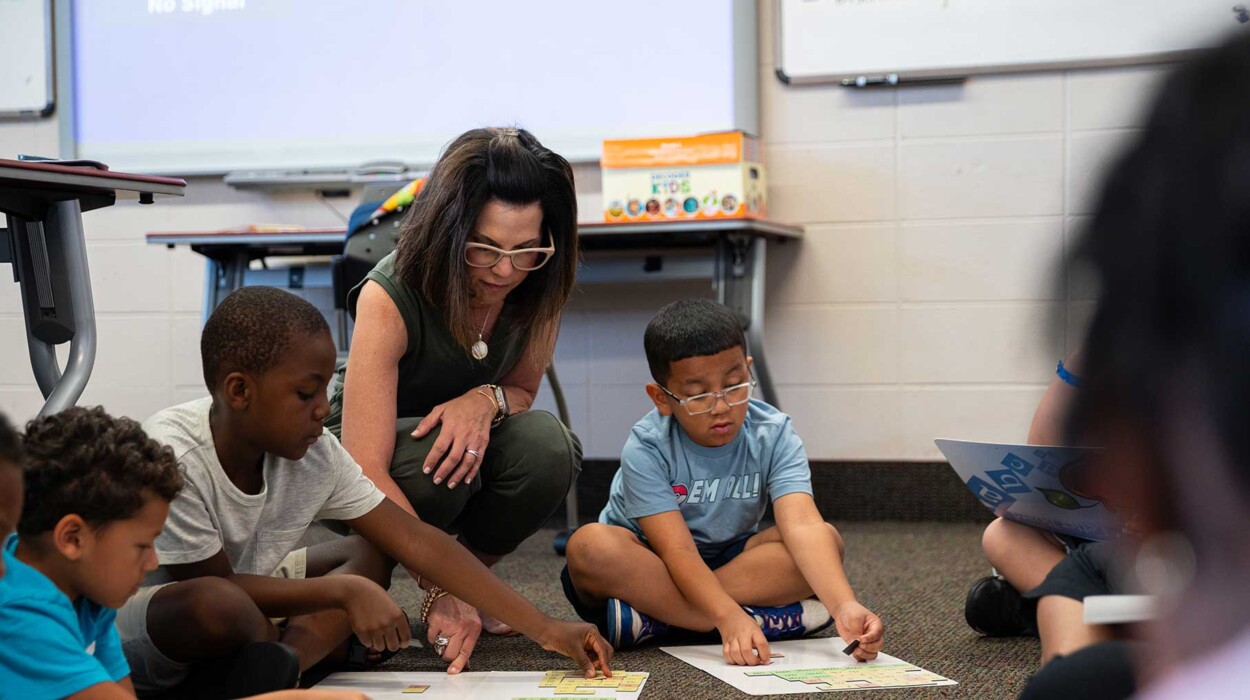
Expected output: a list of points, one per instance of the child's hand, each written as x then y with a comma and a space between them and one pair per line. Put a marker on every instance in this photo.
743, 642
854, 621
376, 620
581, 642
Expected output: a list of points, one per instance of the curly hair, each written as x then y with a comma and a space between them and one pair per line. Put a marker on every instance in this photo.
10, 444
252, 328
83, 461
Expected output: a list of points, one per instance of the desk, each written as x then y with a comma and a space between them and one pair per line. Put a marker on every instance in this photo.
43, 203
732, 257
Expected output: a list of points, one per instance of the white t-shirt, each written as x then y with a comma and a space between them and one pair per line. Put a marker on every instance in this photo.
256, 530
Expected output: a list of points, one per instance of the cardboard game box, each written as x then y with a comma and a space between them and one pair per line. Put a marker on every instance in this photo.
688, 178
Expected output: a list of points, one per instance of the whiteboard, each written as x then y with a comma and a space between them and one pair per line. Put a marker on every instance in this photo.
25, 58
833, 40
281, 86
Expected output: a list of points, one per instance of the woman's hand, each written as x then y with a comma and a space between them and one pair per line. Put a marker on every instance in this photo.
459, 623
466, 431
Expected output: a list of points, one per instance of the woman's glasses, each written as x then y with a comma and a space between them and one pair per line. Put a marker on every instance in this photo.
482, 255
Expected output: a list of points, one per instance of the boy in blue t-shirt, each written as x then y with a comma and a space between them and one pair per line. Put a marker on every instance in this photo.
679, 543
96, 494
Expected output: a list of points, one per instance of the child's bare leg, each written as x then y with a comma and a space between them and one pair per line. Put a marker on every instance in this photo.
316, 635
1062, 629
1023, 555
766, 573
606, 561
205, 618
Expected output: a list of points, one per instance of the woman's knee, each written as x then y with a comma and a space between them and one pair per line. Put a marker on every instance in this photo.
550, 454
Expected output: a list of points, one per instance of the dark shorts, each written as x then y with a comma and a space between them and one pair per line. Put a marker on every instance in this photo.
598, 616
1087, 570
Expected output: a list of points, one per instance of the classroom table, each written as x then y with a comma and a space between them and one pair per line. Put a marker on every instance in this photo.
731, 253
43, 202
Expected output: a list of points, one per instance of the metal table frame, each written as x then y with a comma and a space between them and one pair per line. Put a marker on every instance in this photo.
43, 202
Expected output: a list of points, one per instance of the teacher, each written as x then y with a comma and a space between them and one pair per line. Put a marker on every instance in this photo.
454, 330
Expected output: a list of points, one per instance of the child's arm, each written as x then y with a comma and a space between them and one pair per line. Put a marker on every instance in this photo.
424, 548
743, 641
375, 618
810, 541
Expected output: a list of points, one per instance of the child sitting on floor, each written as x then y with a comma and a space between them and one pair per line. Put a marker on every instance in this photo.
97, 496
678, 543
260, 468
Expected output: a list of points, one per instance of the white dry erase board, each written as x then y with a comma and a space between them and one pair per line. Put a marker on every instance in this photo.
25, 58
211, 86
838, 40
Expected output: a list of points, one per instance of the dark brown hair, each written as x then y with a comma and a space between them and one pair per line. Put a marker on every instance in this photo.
85, 462
480, 165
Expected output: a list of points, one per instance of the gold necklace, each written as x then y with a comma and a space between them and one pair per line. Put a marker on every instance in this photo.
480, 350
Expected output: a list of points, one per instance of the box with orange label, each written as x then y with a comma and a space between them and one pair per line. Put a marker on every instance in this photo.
710, 176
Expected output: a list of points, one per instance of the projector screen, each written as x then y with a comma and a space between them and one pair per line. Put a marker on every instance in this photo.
209, 86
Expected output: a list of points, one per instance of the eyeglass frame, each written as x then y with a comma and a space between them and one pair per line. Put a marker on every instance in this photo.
549, 250
716, 396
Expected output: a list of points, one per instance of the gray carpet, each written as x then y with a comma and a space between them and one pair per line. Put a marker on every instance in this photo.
914, 575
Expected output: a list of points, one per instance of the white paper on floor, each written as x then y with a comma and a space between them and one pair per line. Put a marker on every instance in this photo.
494, 685
809, 666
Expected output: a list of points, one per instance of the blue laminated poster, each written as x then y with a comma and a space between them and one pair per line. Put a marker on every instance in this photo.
1052, 488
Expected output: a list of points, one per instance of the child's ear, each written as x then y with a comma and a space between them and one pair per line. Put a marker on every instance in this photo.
72, 536
660, 399
237, 390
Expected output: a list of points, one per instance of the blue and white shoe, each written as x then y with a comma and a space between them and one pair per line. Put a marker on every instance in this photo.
801, 619
628, 627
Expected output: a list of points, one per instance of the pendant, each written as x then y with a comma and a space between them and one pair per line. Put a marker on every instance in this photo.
479, 350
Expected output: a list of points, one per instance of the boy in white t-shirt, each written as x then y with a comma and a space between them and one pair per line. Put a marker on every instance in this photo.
259, 469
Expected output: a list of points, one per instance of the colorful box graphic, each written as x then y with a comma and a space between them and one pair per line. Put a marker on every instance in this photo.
709, 176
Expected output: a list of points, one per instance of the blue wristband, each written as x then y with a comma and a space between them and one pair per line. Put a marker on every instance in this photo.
1067, 376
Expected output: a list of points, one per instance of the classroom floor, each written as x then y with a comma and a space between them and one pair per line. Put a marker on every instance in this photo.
914, 575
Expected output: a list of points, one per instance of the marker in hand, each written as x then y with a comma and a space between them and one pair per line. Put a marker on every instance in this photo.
850, 648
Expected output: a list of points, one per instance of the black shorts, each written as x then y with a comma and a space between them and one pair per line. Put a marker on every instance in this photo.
1089, 569
598, 616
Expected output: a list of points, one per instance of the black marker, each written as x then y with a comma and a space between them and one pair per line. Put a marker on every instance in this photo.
850, 648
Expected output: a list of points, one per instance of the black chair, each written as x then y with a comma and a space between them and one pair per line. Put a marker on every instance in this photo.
370, 239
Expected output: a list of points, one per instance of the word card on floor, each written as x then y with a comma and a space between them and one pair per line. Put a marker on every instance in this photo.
809, 666
495, 685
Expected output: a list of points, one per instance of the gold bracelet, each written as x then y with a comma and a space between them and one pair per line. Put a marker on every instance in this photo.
489, 398
432, 594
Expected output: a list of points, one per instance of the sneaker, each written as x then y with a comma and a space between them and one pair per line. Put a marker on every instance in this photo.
628, 627
801, 619
995, 609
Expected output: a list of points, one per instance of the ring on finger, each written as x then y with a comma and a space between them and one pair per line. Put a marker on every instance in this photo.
440, 644
475, 453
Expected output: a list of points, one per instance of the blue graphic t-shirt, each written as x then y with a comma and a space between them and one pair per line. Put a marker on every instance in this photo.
722, 492
51, 647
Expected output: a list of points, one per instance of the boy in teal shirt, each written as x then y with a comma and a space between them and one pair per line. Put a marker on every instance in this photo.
679, 543
85, 545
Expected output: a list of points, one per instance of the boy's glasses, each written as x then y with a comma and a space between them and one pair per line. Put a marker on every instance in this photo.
735, 395
482, 255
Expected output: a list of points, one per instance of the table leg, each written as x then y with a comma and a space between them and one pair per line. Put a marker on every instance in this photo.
65, 223
740, 286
